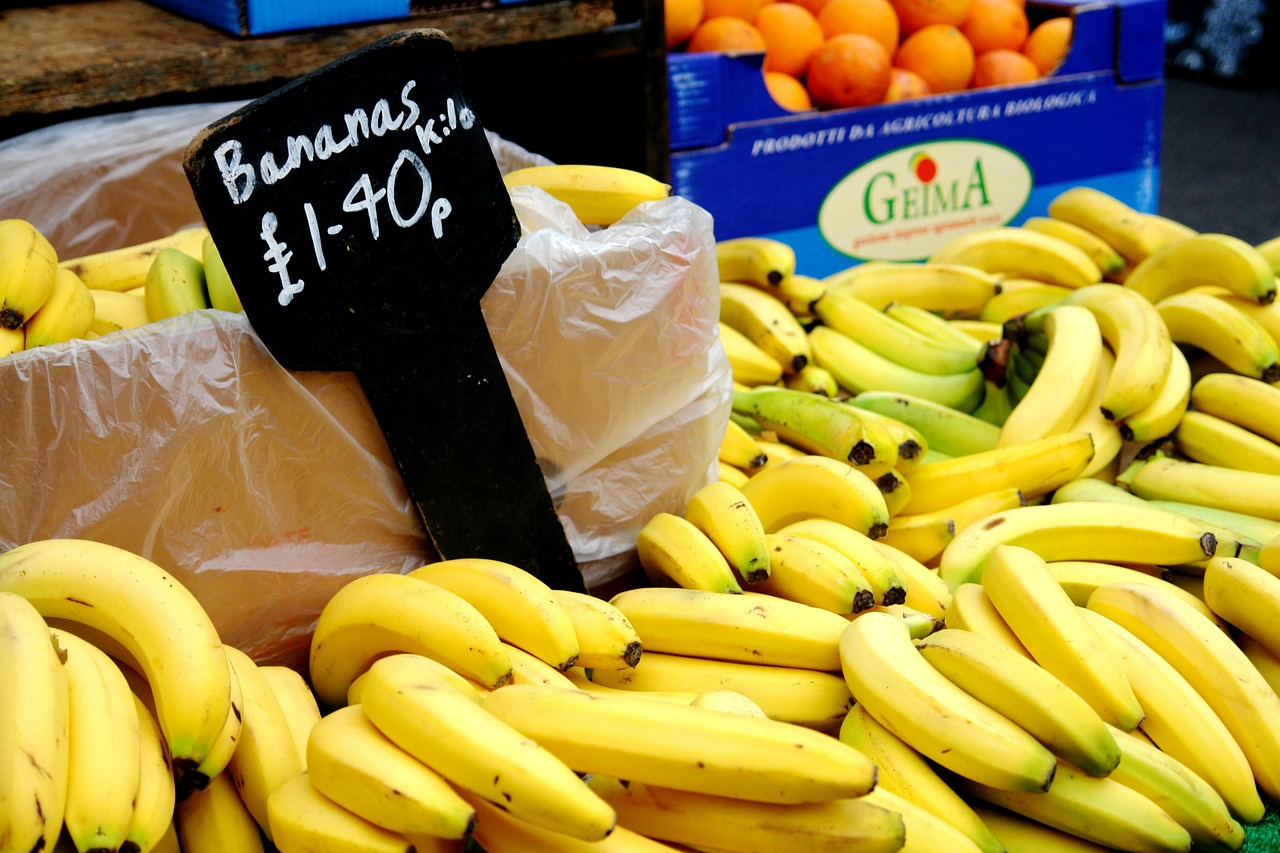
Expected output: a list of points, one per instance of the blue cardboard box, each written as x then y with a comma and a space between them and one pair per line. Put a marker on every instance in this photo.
894, 181
269, 17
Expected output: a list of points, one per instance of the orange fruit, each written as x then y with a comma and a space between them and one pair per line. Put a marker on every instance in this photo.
725, 33
1002, 67
1048, 42
849, 70
995, 23
787, 91
905, 85
680, 19
940, 54
791, 35
875, 18
744, 9
914, 14
814, 6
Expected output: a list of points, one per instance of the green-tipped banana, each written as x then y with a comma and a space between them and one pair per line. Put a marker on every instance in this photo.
175, 285
222, 293
891, 338
946, 429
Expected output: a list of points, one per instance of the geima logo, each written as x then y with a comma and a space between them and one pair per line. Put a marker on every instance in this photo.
906, 203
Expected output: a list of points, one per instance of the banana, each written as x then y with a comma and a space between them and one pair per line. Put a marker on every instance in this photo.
1266, 661
816, 424
175, 285
499, 832
1064, 384
776, 451
767, 322
804, 697
1182, 794
1160, 417
1269, 555
151, 816
1027, 693
521, 607
805, 571
886, 583
1021, 834
686, 747
12, 340
1217, 260
1035, 467
224, 745
748, 363
1131, 232
104, 766
527, 668
1267, 316
465, 687
389, 612
1180, 722
926, 592
1020, 253
113, 311
352, 763
800, 292
297, 701
910, 443
1246, 596
125, 267
1243, 400
924, 831
1017, 296
934, 325
580, 679
945, 429
148, 612
1108, 443
218, 286
1206, 438
980, 330
66, 314
905, 772
28, 271
1211, 661
739, 448
1247, 529
748, 628
890, 338
1223, 331
901, 690
1136, 334
1162, 477
214, 819
972, 610
858, 368
673, 552
730, 474
730, 702
33, 731
1170, 229
816, 486
599, 195
606, 638
1083, 530
266, 755
723, 513
952, 290
475, 749
761, 261
814, 380
1079, 578
741, 826
305, 819
1109, 260
1098, 809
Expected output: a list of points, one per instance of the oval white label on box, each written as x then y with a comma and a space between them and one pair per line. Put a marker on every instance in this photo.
906, 203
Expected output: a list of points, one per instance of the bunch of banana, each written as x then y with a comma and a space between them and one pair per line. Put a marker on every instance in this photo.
125, 268
1017, 252
949, 290
767, 322
598, 195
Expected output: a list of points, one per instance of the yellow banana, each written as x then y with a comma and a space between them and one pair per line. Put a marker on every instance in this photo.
810, 572
1162, 477
304, 819
520, 606
952, 290
153, 805
800, 292
724, 514
1180, 722
1018, 296
1159, 417
114, 310
816, 486
972, 610
475, 749
1020, 253
673, 552
1218, 260
761, 261
28, 271
1246, 596
767, 322
1021, 834
686, 747
66, 314
887, 584
739, 448
606, 638
527, 668
499, 832
1079, 578
214, 820
297, 701
748, 628
598, 195
125, 267
1131, 232
814, 380
1207, 438
1222, 330
817, 424
389, 612
748, 363
1243, 400
730, 702
1109, 261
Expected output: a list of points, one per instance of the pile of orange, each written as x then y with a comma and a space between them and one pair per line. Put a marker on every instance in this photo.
830, 54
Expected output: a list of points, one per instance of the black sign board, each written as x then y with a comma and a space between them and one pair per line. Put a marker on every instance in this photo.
361, 215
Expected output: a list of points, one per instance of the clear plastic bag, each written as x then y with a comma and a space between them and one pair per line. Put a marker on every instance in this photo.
266, 489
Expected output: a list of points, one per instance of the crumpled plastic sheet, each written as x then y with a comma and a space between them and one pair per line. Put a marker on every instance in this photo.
265, 490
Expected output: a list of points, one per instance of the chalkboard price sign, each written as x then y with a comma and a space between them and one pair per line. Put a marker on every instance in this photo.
362, 216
